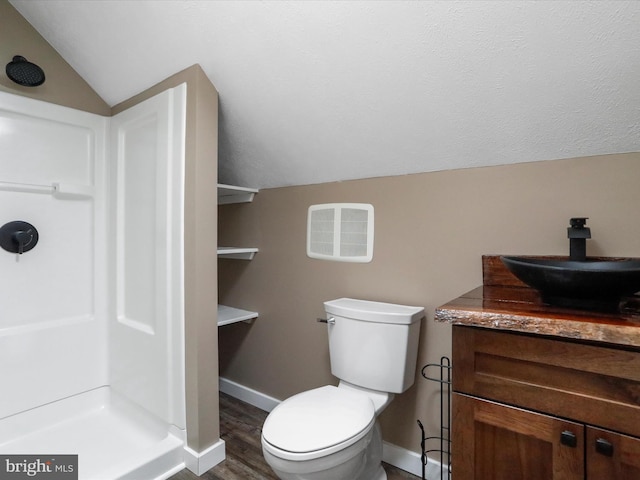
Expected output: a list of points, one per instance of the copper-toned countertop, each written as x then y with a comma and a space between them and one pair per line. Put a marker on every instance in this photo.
512, 306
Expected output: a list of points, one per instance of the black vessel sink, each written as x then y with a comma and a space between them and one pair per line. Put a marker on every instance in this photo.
595, 284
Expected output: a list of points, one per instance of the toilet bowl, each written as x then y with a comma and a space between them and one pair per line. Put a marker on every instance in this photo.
331, 433
325, 433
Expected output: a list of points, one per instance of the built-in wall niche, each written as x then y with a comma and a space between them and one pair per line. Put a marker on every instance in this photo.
229, 194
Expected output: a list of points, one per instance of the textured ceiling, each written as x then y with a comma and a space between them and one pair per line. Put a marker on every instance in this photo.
321, 91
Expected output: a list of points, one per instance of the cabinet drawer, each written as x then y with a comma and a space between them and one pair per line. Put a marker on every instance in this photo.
593, 384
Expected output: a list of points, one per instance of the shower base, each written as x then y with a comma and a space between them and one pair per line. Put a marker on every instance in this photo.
113, 438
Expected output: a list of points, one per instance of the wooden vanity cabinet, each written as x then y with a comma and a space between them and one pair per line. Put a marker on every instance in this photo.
492, 441
527, 407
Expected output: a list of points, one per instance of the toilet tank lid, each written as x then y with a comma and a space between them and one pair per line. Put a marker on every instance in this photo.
369, 311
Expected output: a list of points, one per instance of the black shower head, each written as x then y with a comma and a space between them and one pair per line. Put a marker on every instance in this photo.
24, 73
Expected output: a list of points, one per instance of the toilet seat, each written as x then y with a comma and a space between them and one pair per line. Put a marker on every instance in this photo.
317, 423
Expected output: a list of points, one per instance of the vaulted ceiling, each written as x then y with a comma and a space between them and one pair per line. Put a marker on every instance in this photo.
317, 91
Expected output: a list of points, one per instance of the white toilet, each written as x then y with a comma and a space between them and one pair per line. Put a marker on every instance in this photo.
331, 433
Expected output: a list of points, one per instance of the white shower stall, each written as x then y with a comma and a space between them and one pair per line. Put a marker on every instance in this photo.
92, 318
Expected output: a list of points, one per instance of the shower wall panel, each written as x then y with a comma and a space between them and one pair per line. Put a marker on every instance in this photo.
146, 363
52, 298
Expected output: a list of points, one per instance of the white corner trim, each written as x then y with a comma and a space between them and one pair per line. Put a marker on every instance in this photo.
248, 395
200, 462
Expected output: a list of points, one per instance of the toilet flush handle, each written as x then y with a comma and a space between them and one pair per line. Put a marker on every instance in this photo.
330, 320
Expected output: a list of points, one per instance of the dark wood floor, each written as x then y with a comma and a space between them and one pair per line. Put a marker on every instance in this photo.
240, 427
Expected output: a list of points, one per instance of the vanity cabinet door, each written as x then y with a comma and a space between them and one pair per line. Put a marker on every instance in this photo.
612, 456
491, 441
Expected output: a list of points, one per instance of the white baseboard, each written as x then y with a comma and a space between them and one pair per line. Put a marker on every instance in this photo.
248, 395
200, 462
411, 462
402, 458
435, 470
399, 457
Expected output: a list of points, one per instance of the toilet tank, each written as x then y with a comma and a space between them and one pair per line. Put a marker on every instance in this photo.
373, 344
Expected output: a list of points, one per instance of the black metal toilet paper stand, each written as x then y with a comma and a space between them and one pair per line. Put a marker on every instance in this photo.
443, 377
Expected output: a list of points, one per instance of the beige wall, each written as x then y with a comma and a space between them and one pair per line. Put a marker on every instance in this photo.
63, 86
431, 230
201, 161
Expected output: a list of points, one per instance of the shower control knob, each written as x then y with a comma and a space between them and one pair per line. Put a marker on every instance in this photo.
18, 237
23, 238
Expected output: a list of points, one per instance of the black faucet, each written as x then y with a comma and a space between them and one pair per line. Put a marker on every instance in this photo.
578, 234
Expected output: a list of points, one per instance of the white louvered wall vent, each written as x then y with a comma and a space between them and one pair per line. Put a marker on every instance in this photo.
342, 232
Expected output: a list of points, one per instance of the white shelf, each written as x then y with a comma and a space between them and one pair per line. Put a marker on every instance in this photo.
231, 194
228, 194
228, 315
237, 253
